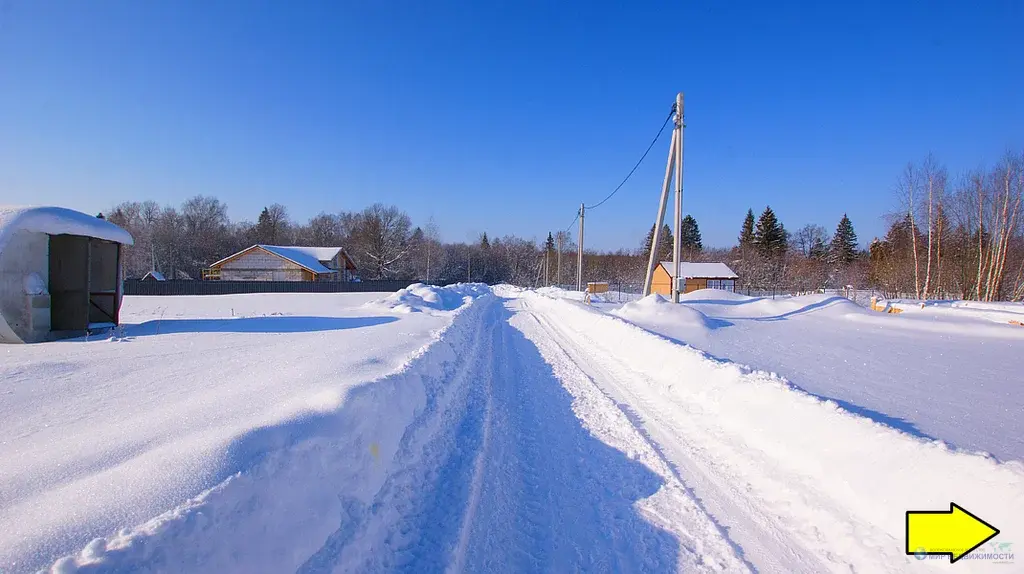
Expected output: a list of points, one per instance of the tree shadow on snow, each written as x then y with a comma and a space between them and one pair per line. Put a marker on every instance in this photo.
271, 324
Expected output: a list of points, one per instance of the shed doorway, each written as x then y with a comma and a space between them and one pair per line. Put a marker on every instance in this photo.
83, 283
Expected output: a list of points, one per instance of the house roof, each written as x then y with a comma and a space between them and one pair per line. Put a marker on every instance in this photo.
306, 257
155, 275
58, 221
701, 270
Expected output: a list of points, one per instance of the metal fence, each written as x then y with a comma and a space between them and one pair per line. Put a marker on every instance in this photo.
184, 287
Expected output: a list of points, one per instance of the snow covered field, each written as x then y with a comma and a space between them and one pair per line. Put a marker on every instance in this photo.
470, 429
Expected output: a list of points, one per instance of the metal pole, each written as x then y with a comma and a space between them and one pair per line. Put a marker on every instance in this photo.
579, 254
676, 247
652, 262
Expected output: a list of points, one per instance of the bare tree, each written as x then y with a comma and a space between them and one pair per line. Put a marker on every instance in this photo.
907, 189
934, 178
380, 236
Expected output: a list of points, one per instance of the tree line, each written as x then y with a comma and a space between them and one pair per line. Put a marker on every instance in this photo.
963, 239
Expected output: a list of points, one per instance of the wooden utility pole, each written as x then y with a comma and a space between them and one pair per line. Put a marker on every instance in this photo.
579, 254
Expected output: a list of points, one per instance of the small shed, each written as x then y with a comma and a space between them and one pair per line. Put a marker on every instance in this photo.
60, 273
693, 276
154, 276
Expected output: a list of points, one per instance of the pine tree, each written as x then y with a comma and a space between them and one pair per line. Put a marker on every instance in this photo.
484, 242
818, 250
747, 232
664, 243
843, 250
689, 237
549, 245
769, 235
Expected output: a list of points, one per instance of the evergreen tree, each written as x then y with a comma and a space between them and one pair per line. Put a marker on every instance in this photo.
549, 245
844, 243
689, 237
484, 242
747, 232
770, 236
819, 250
664, 243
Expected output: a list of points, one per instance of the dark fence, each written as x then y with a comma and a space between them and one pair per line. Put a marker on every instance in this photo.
182, 287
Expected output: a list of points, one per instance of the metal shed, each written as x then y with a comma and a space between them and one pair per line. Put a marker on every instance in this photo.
60, 273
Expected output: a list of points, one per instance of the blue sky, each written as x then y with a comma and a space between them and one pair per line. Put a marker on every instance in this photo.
503, 116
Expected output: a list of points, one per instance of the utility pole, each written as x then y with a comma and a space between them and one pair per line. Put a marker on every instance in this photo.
673, 165
579, 254
558, 261
652, 261
469, 269
676, 247
546, 282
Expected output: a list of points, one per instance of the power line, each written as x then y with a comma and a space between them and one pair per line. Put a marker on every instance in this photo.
567, 227
649, 148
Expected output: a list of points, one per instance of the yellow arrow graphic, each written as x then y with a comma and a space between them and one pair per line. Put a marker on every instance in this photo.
953, 532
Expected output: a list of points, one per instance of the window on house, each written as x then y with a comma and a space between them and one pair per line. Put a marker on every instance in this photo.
723, 284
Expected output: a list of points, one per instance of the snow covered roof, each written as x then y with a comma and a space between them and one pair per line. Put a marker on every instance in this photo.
58, 221
701, 270
156, 275
307, 257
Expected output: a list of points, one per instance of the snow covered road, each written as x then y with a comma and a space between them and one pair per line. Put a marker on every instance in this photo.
538, 434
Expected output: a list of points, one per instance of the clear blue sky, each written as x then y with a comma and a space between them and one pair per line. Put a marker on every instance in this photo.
502, 116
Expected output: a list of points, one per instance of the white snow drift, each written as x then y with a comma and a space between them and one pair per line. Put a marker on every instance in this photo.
466, 429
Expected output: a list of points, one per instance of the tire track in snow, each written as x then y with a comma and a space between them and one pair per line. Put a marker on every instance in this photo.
762, 539
801, 485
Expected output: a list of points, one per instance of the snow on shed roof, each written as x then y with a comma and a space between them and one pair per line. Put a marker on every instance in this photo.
155, 275
701, 270
58, 221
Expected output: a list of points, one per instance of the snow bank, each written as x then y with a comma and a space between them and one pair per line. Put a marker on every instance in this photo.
419, 298
304, 482
657, 309
963, 312
792, 476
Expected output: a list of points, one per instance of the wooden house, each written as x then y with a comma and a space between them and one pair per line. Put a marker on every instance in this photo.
284, 263
693, 276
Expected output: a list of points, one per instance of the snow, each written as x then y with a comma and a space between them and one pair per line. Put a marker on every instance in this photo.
304, 256
155, 275
796, 482
34, 284
935, 375
420, 298
57, 221
104, 434
691, 270
473, 429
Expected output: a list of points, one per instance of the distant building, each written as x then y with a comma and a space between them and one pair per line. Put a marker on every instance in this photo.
154, 276
694, 276
60, 273
284, 263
